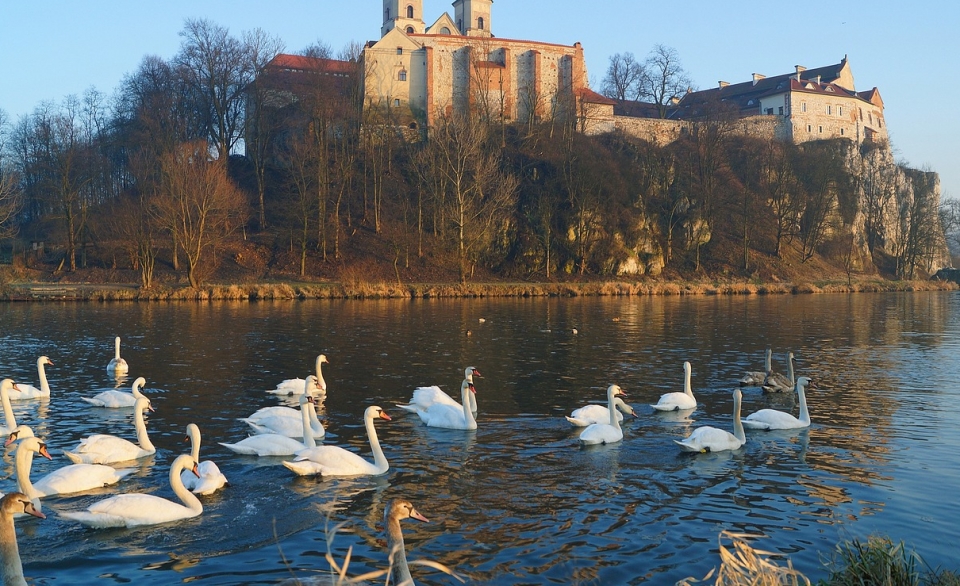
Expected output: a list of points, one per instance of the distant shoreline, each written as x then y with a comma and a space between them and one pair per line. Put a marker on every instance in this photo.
45, 291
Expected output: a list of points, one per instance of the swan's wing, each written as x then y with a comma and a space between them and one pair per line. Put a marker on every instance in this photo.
446, 416
265, 445
291, 386
709, 439
334, 461
753, 379
79, 478
425, 397
286, 426
601, 433
304, 468
210, 481
275, 411
131, 510
675, 401
771, 419
27, 392
112, 399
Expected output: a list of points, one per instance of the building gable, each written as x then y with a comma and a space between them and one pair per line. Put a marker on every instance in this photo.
444, 23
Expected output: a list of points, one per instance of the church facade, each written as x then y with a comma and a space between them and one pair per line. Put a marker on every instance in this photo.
418, 73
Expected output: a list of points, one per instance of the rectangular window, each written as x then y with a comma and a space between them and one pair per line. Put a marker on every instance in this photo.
803, 106
839, 110
402, 76
809, 128
829, 110
781, 110
769, 111
397, 102
821, 128
841, 132
399, 50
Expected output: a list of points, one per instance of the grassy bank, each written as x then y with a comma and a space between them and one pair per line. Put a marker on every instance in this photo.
363, 290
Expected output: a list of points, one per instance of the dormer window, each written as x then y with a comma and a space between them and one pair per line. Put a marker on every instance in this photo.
830, 89
409, 11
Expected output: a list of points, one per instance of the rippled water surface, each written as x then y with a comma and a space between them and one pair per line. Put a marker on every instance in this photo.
518, 501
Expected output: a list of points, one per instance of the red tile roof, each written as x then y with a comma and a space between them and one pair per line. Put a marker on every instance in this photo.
301, 63
592, 97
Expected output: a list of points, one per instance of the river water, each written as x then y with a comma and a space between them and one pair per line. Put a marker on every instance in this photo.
518, 501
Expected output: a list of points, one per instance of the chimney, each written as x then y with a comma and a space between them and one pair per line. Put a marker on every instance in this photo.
818, 80
800, 69
757, 77
723, 84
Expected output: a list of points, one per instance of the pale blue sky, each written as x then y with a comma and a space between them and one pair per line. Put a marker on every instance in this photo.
909, 50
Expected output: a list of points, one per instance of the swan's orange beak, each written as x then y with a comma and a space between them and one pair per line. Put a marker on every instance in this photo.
30, 510
473, 389
195, 471
383, 415
11, 438
15, 387
416, 515
477, 373
44, 452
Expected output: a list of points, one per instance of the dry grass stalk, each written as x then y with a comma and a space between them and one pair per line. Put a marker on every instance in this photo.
742, 565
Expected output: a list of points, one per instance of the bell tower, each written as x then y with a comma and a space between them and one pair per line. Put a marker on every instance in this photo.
406, 15
473, 17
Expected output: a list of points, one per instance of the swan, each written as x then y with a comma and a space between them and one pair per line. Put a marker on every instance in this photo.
117, 365
776, 382
10, 421
711, 439
605, 433
454, 416
425, 397
274, 444
295, 386
756, 378
32, 392
133, 510
773, 419
115, 399
286, 420
678, 401
396, 511
69, 479
107, 449
336, 461
15, 503
591, 414
208, 479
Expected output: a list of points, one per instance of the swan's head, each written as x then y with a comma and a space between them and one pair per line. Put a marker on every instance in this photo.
472, 388
686, 367
615, 390
624, 407
34, 444
322, 359
375, 412
143, 404
192, 432
8, 385
44, 360
19, 433
737, 395
470, 372
402, 509
17, 502
804, 381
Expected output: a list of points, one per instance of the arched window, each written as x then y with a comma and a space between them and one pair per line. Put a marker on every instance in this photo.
410, 30
402, 76
480, 23
409, 11
444, 31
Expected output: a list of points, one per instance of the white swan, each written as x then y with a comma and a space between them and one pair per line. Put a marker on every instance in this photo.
773, 419
336, 461
69, 479
609, 432
10, 421
756, 378
678, 401
107, 449
295, 386
274, 444
396, 511
711, 439
456, 416
425, 397
776, 382
117, 365
208, 478
13, 504
287, 420
114, 399
32, 392
591, 414
133, 510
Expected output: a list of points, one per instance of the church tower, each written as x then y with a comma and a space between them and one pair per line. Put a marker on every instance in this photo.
473, 17
406, 15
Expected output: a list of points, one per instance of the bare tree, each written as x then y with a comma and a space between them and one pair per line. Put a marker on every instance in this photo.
10, 193
199, 202
664, 79
624, 79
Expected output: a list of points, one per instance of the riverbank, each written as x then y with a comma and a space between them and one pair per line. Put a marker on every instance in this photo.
79, 291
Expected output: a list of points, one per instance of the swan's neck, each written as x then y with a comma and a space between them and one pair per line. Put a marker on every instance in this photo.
737, 425
188, 499
8, 410
44, 385
321, 384
305, 410
612, 408
135, 390
397, 550
687, 387
467, 408
23, 464
143, 438
790, 371
379, 460
116, 350
10, 553
804, 414
768, 361
195, 446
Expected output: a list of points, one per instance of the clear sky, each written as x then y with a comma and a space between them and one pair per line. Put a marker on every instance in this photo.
909, 50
